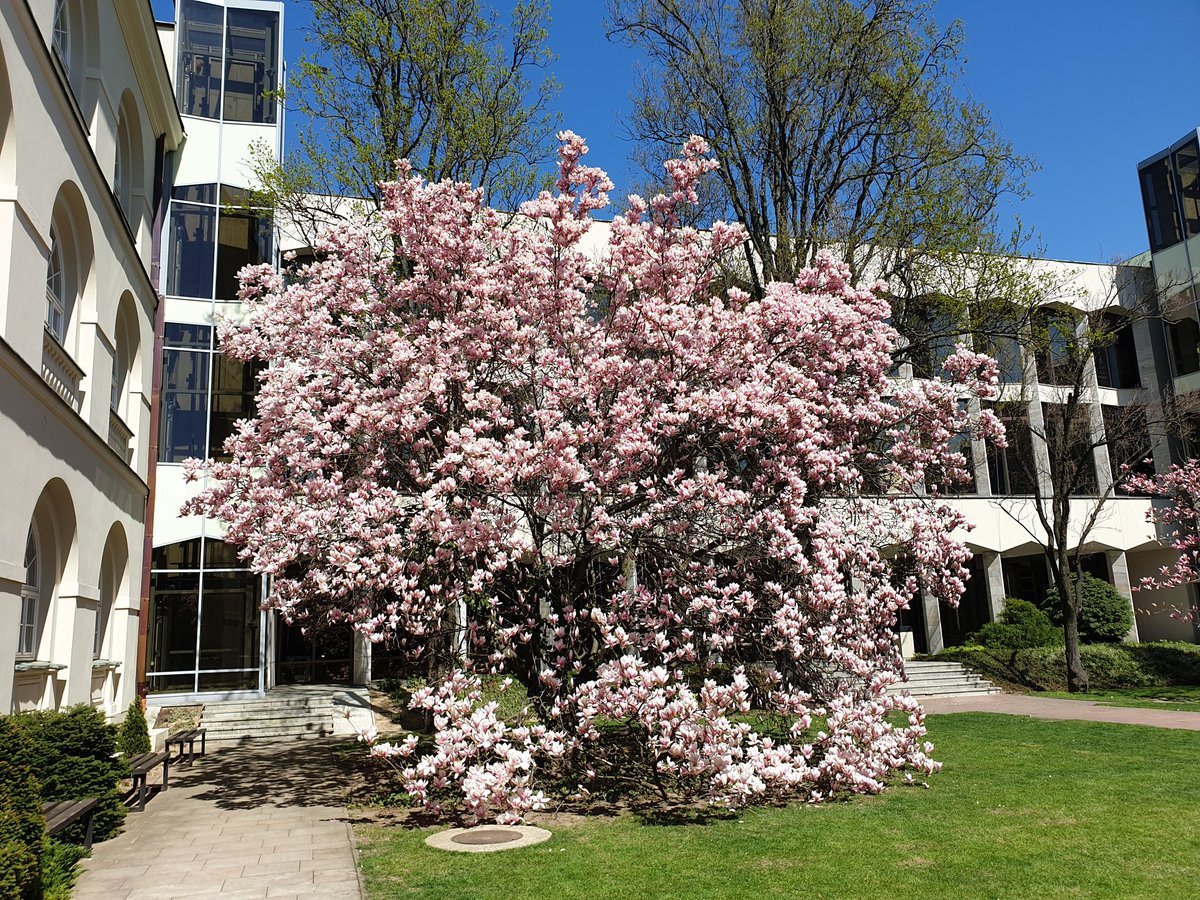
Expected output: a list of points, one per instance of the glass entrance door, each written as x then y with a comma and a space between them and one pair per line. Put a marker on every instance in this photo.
326, 657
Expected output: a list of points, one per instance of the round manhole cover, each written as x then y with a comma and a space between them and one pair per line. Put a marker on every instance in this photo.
487, 836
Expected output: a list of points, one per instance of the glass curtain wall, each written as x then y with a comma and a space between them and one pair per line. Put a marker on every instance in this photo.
228, 62
206, 626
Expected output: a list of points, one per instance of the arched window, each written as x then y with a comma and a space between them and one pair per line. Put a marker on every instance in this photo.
62, 33
31, 592
56, 289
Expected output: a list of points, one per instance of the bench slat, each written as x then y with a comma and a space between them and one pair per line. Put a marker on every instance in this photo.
66, 812
143, 763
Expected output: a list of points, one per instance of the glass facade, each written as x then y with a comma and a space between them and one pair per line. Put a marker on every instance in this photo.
204, 393
1011, 469
1116, 356
228, 62
205, 619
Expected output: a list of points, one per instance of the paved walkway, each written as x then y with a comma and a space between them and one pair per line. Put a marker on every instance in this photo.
258, 820
1053, 708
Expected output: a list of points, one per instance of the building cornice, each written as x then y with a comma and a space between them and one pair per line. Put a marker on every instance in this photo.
150, 68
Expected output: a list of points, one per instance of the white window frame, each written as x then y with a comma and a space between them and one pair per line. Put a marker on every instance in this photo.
62, 33
56, 289
31, 598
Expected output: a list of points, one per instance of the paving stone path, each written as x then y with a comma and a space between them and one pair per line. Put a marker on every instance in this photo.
257, 820
1054, 708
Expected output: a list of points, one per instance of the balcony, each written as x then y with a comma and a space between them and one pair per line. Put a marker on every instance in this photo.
60, 371
119, 435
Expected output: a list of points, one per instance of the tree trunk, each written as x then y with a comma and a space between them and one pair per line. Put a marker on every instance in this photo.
1077, 679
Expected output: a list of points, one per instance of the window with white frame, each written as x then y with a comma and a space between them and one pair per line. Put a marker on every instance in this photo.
62, 33
56, 289
30, 598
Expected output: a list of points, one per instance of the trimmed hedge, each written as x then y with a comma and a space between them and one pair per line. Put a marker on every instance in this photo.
72, 754
1105, 616
1021, 625
1109, 666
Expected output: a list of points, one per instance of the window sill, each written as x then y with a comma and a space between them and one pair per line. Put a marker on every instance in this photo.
61, 372
37, 665
106, 664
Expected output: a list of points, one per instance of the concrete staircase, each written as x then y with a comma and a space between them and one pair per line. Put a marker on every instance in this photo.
927, 678
285, 713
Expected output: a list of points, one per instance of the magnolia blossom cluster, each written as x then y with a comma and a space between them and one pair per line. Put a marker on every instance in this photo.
582, 457
1180, 519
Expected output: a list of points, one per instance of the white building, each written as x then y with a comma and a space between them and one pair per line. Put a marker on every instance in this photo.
86, 120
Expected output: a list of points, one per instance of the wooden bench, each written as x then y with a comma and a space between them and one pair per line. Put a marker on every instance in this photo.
67, 812
189, 738
140, 766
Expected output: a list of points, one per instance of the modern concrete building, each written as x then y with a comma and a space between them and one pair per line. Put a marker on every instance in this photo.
87, 119
124, 143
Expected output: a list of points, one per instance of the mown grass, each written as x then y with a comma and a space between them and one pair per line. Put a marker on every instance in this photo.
1184, 698
1023, 808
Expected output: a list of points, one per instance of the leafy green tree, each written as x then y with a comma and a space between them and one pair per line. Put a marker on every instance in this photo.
1105, 616
444, 84
839, 124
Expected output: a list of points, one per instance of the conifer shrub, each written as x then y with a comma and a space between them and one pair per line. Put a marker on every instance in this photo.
72, 754
1105, 616
134, 736
22, 828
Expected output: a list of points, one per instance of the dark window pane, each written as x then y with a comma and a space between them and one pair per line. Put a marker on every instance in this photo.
973, 610
931, 335
1026, 578
245, 240
190, 254
1128, 441
173, 606
1058, 346
229, 621
1185, 346
995, 330
251, 66
234, 387
183, 555
1069, 448
167, 684
1011, 469
1187, 173
220, 555
1116, 354
199, 80
183, 417
1158, 199
229, 681
187, 337
1096, 565
196, 193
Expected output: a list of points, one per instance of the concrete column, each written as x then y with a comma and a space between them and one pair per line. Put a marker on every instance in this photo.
933, 623
362, 659
1119, 569
11, 579
74, 613
993, 568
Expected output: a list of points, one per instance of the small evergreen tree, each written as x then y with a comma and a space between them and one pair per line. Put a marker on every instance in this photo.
1020, 627
22, 828
134, 737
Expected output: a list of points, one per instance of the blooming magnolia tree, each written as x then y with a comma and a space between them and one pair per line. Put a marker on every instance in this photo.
1180, 519
563, 454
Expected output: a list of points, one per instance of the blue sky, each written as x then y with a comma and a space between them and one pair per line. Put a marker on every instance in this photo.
1088, 87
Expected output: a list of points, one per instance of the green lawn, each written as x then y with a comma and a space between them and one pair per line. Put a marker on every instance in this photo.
1023, 808
1185, 698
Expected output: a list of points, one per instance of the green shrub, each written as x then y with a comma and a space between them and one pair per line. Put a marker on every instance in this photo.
59, 870
1021, 625
1105, 615
22, 828
1168, 662
72, 754
134, 737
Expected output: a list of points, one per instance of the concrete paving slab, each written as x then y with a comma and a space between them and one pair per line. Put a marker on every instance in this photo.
246, 821
1054, 708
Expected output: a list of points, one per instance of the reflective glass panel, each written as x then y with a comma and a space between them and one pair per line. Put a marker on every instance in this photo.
251, 65
199, 80
183, 417
192, 237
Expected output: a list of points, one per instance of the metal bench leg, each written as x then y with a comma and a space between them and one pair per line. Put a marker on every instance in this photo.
142, 794
87, 838
191, 752
203, 738
167, 769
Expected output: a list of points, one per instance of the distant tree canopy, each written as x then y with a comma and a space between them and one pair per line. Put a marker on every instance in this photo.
839, 124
